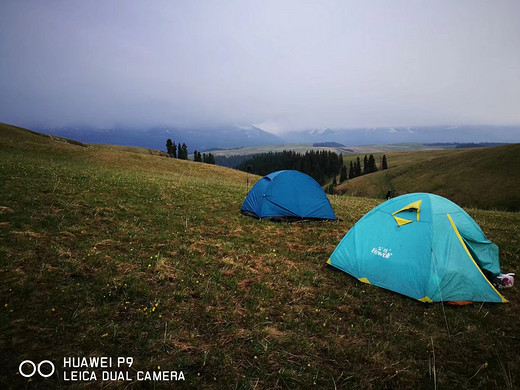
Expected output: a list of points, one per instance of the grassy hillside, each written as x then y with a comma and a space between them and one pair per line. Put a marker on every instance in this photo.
486, 178
113, 253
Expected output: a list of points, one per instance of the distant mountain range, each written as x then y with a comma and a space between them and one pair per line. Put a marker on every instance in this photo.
155, 138
391, 135
205, 139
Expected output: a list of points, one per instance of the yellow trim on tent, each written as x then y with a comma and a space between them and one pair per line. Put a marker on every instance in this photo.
414, 205
328, 261
425, 299
401, 221
471, 257
364, 280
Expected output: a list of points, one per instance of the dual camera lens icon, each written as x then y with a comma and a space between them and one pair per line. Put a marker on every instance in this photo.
27, 372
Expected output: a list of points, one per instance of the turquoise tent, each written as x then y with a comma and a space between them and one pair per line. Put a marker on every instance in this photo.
423, 246
287, 195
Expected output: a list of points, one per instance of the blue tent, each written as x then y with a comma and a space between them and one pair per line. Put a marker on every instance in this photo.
287, 195
423, 246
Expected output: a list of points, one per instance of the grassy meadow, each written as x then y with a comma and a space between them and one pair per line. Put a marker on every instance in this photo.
114, 251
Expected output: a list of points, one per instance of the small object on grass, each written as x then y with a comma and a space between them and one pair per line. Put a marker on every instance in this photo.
504, 280
460, 303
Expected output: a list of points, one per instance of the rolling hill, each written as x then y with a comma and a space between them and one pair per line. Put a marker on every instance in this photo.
486, 178
115, 251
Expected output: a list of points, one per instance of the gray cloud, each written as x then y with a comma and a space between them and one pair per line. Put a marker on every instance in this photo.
282, 64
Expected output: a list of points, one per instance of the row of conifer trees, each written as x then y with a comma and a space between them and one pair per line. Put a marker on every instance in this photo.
369, 166
181, 152
320, 165
317, 164
355, 169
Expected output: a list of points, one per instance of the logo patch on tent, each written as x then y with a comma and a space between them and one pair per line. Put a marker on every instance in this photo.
385, 253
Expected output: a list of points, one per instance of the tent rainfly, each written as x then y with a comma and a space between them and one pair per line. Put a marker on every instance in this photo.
423, 246
287, 196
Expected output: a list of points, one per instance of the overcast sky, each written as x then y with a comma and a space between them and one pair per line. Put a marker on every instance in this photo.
283, 65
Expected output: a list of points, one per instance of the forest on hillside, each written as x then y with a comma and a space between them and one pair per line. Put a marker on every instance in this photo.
320, 165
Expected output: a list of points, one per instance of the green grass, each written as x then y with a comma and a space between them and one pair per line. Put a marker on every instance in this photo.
109, 252
485, 178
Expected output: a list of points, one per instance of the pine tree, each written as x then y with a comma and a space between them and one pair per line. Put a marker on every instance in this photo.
365, 165
169, 147
357, 167
384, 163
343, 175
211, 158
372, 164
334, 182
183, 152
197, 157
351, 171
